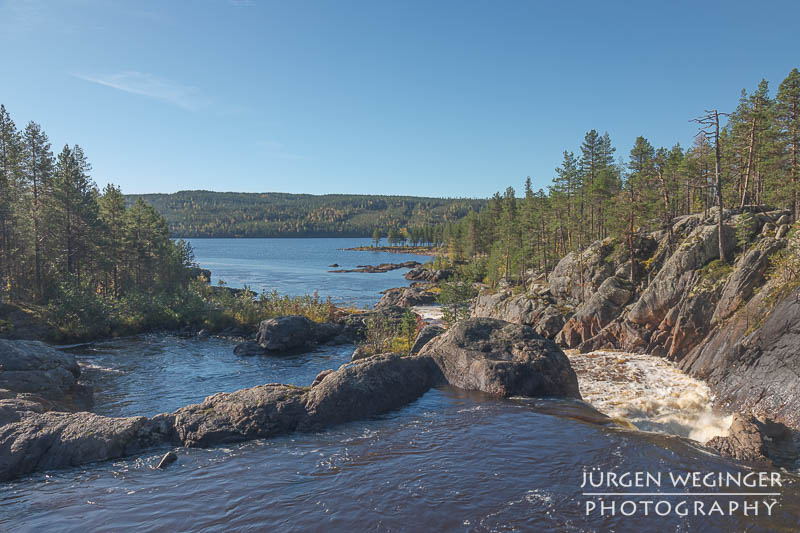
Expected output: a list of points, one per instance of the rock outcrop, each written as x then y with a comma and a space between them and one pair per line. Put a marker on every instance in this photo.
753, 440
600, 310
503, 359
405, 297
379, 269
579, 273
535, 310
425, 274
724, 323
425, 335
41, 374
752, 361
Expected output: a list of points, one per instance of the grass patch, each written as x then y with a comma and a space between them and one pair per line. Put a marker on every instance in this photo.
715, 271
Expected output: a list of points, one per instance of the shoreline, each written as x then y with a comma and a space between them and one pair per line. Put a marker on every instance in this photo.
430, 251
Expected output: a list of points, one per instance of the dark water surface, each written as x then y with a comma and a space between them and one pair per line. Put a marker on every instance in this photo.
152, 374
451, 461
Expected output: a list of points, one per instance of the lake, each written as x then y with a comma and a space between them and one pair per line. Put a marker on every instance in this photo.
301, 266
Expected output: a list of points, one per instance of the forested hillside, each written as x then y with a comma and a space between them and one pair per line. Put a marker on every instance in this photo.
230, 214
746, 156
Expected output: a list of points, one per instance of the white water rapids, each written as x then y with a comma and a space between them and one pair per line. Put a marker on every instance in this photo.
650, 393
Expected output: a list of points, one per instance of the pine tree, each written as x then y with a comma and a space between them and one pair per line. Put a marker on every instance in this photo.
709, 124
787, 104
590, 165
509, 228
74, 213
750, 126
112, 214
567, 177
37, 163
9, 190
641, 169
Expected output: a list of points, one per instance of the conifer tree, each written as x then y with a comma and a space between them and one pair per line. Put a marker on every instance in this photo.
641, 169
37, 164
9, 189
74, 213
787, 110
112, 214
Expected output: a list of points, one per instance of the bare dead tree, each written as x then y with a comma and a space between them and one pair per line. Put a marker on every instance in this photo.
709, 127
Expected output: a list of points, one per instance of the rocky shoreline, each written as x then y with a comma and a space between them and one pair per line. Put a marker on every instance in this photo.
41, 429
378, 269
411, 250
726, 324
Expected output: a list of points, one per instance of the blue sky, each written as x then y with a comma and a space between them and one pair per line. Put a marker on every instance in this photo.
435, 98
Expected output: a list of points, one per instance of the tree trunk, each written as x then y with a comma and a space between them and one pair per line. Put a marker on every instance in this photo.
717, 172
749, 166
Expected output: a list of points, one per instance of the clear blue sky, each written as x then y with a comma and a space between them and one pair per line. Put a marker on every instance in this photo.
436, 98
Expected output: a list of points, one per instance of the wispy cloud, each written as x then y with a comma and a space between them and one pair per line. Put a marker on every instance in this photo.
276, 150
144, 84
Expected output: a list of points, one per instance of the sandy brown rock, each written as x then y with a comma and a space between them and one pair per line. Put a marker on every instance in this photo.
757, 441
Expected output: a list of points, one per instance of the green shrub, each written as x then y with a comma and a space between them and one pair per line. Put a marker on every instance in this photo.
784, 269
745, 230
456, 298
77, 312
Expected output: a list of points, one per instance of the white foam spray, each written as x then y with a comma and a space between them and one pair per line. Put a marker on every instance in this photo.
650, 393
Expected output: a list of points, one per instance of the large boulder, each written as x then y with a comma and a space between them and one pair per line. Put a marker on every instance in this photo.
257, 412
45, 441
287, 334
425, 335
294, 334
369, 387
756, 440
42, 373
503, 359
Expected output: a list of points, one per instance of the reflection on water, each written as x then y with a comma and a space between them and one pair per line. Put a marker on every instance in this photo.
152, 374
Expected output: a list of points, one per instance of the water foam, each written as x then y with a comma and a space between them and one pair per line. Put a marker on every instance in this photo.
650, 393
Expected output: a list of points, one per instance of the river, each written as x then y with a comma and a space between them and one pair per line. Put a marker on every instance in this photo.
451, 461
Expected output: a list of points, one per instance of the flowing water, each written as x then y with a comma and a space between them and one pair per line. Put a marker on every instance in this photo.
451, 461
650, 393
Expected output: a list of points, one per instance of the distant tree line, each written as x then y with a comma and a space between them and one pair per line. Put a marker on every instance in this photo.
593, 195
59, 233
228, 214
